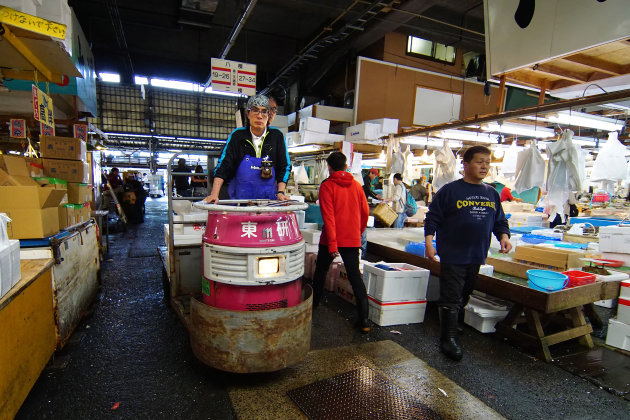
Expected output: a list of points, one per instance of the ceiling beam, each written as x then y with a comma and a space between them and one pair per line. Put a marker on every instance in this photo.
595, 63
560, 73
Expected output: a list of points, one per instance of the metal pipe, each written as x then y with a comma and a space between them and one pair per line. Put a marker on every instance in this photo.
237, 28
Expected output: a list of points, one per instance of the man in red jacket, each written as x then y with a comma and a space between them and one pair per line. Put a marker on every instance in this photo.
345, 212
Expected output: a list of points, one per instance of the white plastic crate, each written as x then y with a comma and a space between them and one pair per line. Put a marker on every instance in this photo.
482, 314
311, 236
618, 334
396, 313
623, 310
408, 284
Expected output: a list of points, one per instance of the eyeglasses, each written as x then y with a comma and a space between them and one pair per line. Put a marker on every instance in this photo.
274, 109
262, 111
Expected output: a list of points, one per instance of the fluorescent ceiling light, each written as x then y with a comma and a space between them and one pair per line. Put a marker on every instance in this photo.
519, 130
430, 141
466, 135
305, 148
109, 77
582, 119
141, 80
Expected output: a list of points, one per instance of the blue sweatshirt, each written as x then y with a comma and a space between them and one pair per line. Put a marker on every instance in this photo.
463, 216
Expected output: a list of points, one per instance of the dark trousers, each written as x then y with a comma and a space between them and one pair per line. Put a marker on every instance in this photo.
350, 258
456, 284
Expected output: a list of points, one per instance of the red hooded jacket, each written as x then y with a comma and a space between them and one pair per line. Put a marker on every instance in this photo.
344, 210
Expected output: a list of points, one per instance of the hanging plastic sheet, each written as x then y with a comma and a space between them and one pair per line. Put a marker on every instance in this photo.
445, 167
321, 171
563, 173
530, 169
407, 172
610, 164
300, 175
510, 158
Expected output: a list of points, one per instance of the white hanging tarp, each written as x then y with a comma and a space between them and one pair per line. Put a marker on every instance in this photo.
510, 158
610, 164
445, 166
530, 169
563, 173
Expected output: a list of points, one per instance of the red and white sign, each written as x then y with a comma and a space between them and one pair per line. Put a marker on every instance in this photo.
80, 131
45, 130
18, 128
233, 76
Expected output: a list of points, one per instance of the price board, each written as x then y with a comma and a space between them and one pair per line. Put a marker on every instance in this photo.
42, 107
233, 76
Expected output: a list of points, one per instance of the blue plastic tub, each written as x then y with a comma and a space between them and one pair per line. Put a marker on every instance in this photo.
547, 280
417, 248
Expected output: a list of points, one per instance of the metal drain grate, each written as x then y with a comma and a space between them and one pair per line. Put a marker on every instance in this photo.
359, 394
266, 306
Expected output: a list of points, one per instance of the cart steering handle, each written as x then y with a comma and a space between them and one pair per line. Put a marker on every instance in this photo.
253, 206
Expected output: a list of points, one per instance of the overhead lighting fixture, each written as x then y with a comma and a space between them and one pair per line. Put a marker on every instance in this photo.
582, 119
301, 148
465, 135
109, 77
430, 141
519, 130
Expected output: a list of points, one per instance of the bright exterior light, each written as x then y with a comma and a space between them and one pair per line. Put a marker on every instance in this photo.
582, 119
268, 265
109, 77
519, 130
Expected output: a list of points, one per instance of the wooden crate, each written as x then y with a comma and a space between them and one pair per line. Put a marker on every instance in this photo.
551, 258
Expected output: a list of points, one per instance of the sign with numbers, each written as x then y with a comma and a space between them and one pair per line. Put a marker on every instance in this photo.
233, 76
43, 107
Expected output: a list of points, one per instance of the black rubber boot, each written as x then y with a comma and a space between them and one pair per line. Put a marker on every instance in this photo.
364, 323
448, 340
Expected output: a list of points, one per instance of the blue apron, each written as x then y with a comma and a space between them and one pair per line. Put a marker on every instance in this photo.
248, 185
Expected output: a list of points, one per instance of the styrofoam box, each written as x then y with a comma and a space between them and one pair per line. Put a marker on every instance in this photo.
486, 269
363, 132
315, 124
482, 314
614, 239
16, 270
311, 236
311, 248
618, 334
293, 138
624, 291
330, 113
608, 303
196, 223
409, 284
396, 313
280, 121
313, 137
388, 125
183, 239
617, 256
300, 215
370, 222
5, 270
623, 311
310, 225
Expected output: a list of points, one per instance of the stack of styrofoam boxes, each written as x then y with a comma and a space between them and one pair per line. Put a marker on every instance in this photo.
483, 313
614, 243
10, 272
396, 297
316, 131
281, 122
619, 329
387, 126
363, 133
527, 219
311, 238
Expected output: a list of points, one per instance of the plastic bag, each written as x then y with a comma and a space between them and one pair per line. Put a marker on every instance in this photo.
510, 158
300, 175
563, 174
445, 167
610, 164
530, 169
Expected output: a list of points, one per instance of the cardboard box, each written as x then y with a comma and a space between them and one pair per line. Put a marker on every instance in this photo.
32, 223
79, 192
35, 166
550, 258
62, 148
56, 183
364, 132
315, 124
70, 170
66, 215
330, 113
82, 212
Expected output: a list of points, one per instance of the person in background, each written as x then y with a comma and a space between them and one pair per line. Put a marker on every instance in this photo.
345, 212
463, 215
506, 195
181, 182
116, 183
368, 184
273, 109
199, 182
419, 190
114, 179
255, 160
399, 199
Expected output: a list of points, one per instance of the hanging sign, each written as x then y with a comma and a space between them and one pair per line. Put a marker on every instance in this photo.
32, 23
80, 131
233, 76
18, 128
43, 107
45, 130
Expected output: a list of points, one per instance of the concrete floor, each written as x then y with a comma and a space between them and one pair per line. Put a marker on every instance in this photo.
131, 359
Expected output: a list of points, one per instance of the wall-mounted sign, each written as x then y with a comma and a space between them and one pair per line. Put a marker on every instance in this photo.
43, 107
80, 131
233, 76
18, 128
45, 130
32, 23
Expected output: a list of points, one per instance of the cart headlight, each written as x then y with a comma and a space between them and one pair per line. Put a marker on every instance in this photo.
268, 265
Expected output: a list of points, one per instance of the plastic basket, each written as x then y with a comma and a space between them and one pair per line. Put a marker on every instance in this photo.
385, 214
547, 280
579, 278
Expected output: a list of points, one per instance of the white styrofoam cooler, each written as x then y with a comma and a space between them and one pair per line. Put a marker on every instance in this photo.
614, 239
396, 313
623, 311
408, 284
363, 132
315, 124
624, 291
195, 223
482, 313
618, 334
9, 266
311, 236
387, 125
16, 270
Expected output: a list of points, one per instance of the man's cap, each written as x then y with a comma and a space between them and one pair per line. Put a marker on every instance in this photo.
260, 101
374, 171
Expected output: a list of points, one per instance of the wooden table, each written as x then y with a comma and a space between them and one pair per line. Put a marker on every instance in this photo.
27, 334
539, 308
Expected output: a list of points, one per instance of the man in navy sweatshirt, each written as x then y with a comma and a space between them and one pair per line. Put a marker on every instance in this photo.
463, 215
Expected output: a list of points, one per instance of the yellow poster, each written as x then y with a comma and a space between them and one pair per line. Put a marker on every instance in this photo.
32, 23
43, 107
